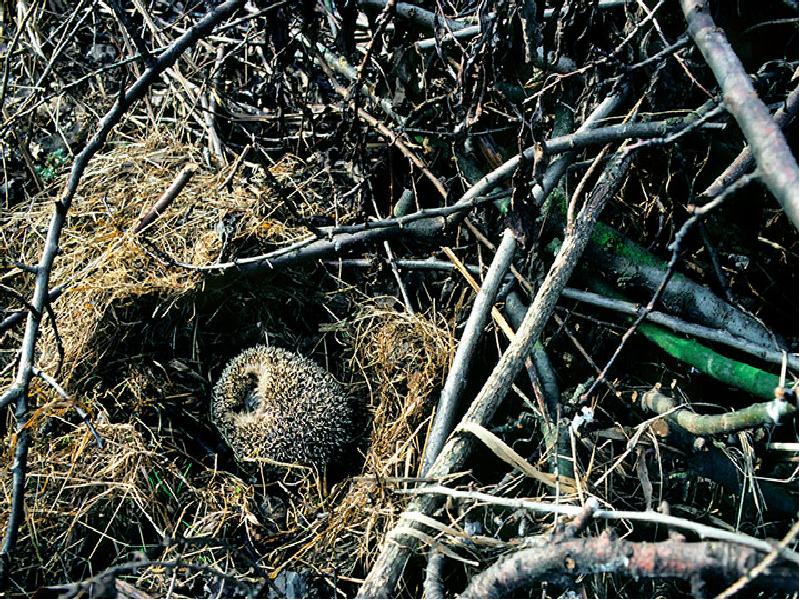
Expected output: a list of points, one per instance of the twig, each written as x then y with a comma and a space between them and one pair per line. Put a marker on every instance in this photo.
379, 27
345, 237
391, 137
581, 521
130, 29
762, 566
744, 161
703, 531
614, 252
98, 586
25, 110
415, 13
386, 571
208, 101
166, 198
540, 59
341, 66
9, 50
679, 325
63, 42
715, 264
457, 375
501, 322
573, 203
332, 240
585, 135
755, 415
398, 278
776, 163
64, 395
17, 317
303, 250
617, 133
428, 264
431, 20
235, 168
515, 308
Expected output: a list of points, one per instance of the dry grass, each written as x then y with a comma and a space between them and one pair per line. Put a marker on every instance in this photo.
103, 263
90, 507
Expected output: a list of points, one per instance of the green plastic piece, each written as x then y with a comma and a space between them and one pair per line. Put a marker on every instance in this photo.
707, 361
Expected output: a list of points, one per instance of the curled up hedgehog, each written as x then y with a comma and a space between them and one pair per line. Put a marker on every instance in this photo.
271, 405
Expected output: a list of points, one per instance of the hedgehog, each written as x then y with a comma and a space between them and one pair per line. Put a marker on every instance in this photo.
271, 405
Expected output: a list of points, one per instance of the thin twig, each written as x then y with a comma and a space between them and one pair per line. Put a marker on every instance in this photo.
704, 531
763, 565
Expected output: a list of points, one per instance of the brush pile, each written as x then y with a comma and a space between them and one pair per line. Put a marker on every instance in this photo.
549, 248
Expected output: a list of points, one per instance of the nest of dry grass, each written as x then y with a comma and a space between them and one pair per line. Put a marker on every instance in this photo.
146, 495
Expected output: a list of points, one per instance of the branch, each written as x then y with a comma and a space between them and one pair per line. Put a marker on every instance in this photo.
772, 154
612, 252
744, 161
606, 554
764, 413
675, 324
175, 188
457, 376
705, 532
762, 566
698, 214
704, 360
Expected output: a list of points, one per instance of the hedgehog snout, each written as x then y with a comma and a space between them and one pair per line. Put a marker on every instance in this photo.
244, 396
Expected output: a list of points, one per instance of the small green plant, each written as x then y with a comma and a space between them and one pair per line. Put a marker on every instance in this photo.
52, 164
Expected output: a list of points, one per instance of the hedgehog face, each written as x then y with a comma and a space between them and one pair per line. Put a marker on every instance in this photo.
250, 392
275, 405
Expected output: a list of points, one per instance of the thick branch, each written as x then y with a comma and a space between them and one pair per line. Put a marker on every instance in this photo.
763, 413
719, 336
457, 377
772, 154
604, 554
